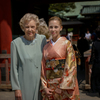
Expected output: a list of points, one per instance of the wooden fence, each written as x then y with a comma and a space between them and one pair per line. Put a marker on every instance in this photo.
6, 65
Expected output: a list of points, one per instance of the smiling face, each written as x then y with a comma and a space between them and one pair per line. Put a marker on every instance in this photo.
30, 30
54, 29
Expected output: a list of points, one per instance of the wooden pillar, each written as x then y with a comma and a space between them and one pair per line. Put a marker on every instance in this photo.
5, 25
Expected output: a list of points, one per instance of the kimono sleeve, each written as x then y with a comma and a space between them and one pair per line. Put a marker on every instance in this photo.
68, 79
14, 67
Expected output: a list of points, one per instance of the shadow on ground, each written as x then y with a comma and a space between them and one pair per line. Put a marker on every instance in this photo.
85, 93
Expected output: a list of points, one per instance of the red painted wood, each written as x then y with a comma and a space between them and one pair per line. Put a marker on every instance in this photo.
2, 56
5, 25
0, 75
5, 57
7, 73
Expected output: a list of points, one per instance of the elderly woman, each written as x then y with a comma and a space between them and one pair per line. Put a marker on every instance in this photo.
26, 55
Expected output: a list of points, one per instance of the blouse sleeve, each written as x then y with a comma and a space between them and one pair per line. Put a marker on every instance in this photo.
44, 41
14, 67
43, 74
68, 79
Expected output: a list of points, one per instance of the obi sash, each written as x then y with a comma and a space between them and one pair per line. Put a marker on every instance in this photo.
54, 68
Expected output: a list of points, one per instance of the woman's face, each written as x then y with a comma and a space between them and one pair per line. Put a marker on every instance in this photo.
30, 29
55, 28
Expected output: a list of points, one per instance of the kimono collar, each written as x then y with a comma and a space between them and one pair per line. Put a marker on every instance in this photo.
53, 43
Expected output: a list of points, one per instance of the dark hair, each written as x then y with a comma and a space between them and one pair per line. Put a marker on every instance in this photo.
98, 31
82, 33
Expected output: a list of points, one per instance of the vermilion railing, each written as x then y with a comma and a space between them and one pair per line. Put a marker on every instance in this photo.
6, 65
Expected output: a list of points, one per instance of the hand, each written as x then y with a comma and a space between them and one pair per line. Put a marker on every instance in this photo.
57, 90
48, 92
18, 95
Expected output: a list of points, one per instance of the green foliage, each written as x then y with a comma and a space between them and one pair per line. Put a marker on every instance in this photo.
70, 29
62, 7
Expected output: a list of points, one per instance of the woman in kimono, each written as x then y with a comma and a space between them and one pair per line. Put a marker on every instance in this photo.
26, 56
95, 64
59, 68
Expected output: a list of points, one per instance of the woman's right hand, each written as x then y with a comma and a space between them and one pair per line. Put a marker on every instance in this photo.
48, 92
18, 95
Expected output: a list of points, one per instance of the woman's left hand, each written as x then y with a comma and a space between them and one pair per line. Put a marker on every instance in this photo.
57, 90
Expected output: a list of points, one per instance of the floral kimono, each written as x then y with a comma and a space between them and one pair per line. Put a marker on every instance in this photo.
59, 70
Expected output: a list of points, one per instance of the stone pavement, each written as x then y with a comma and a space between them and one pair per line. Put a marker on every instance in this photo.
84, 94
6, 95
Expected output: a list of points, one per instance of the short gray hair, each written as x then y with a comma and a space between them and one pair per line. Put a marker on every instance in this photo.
28, 17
